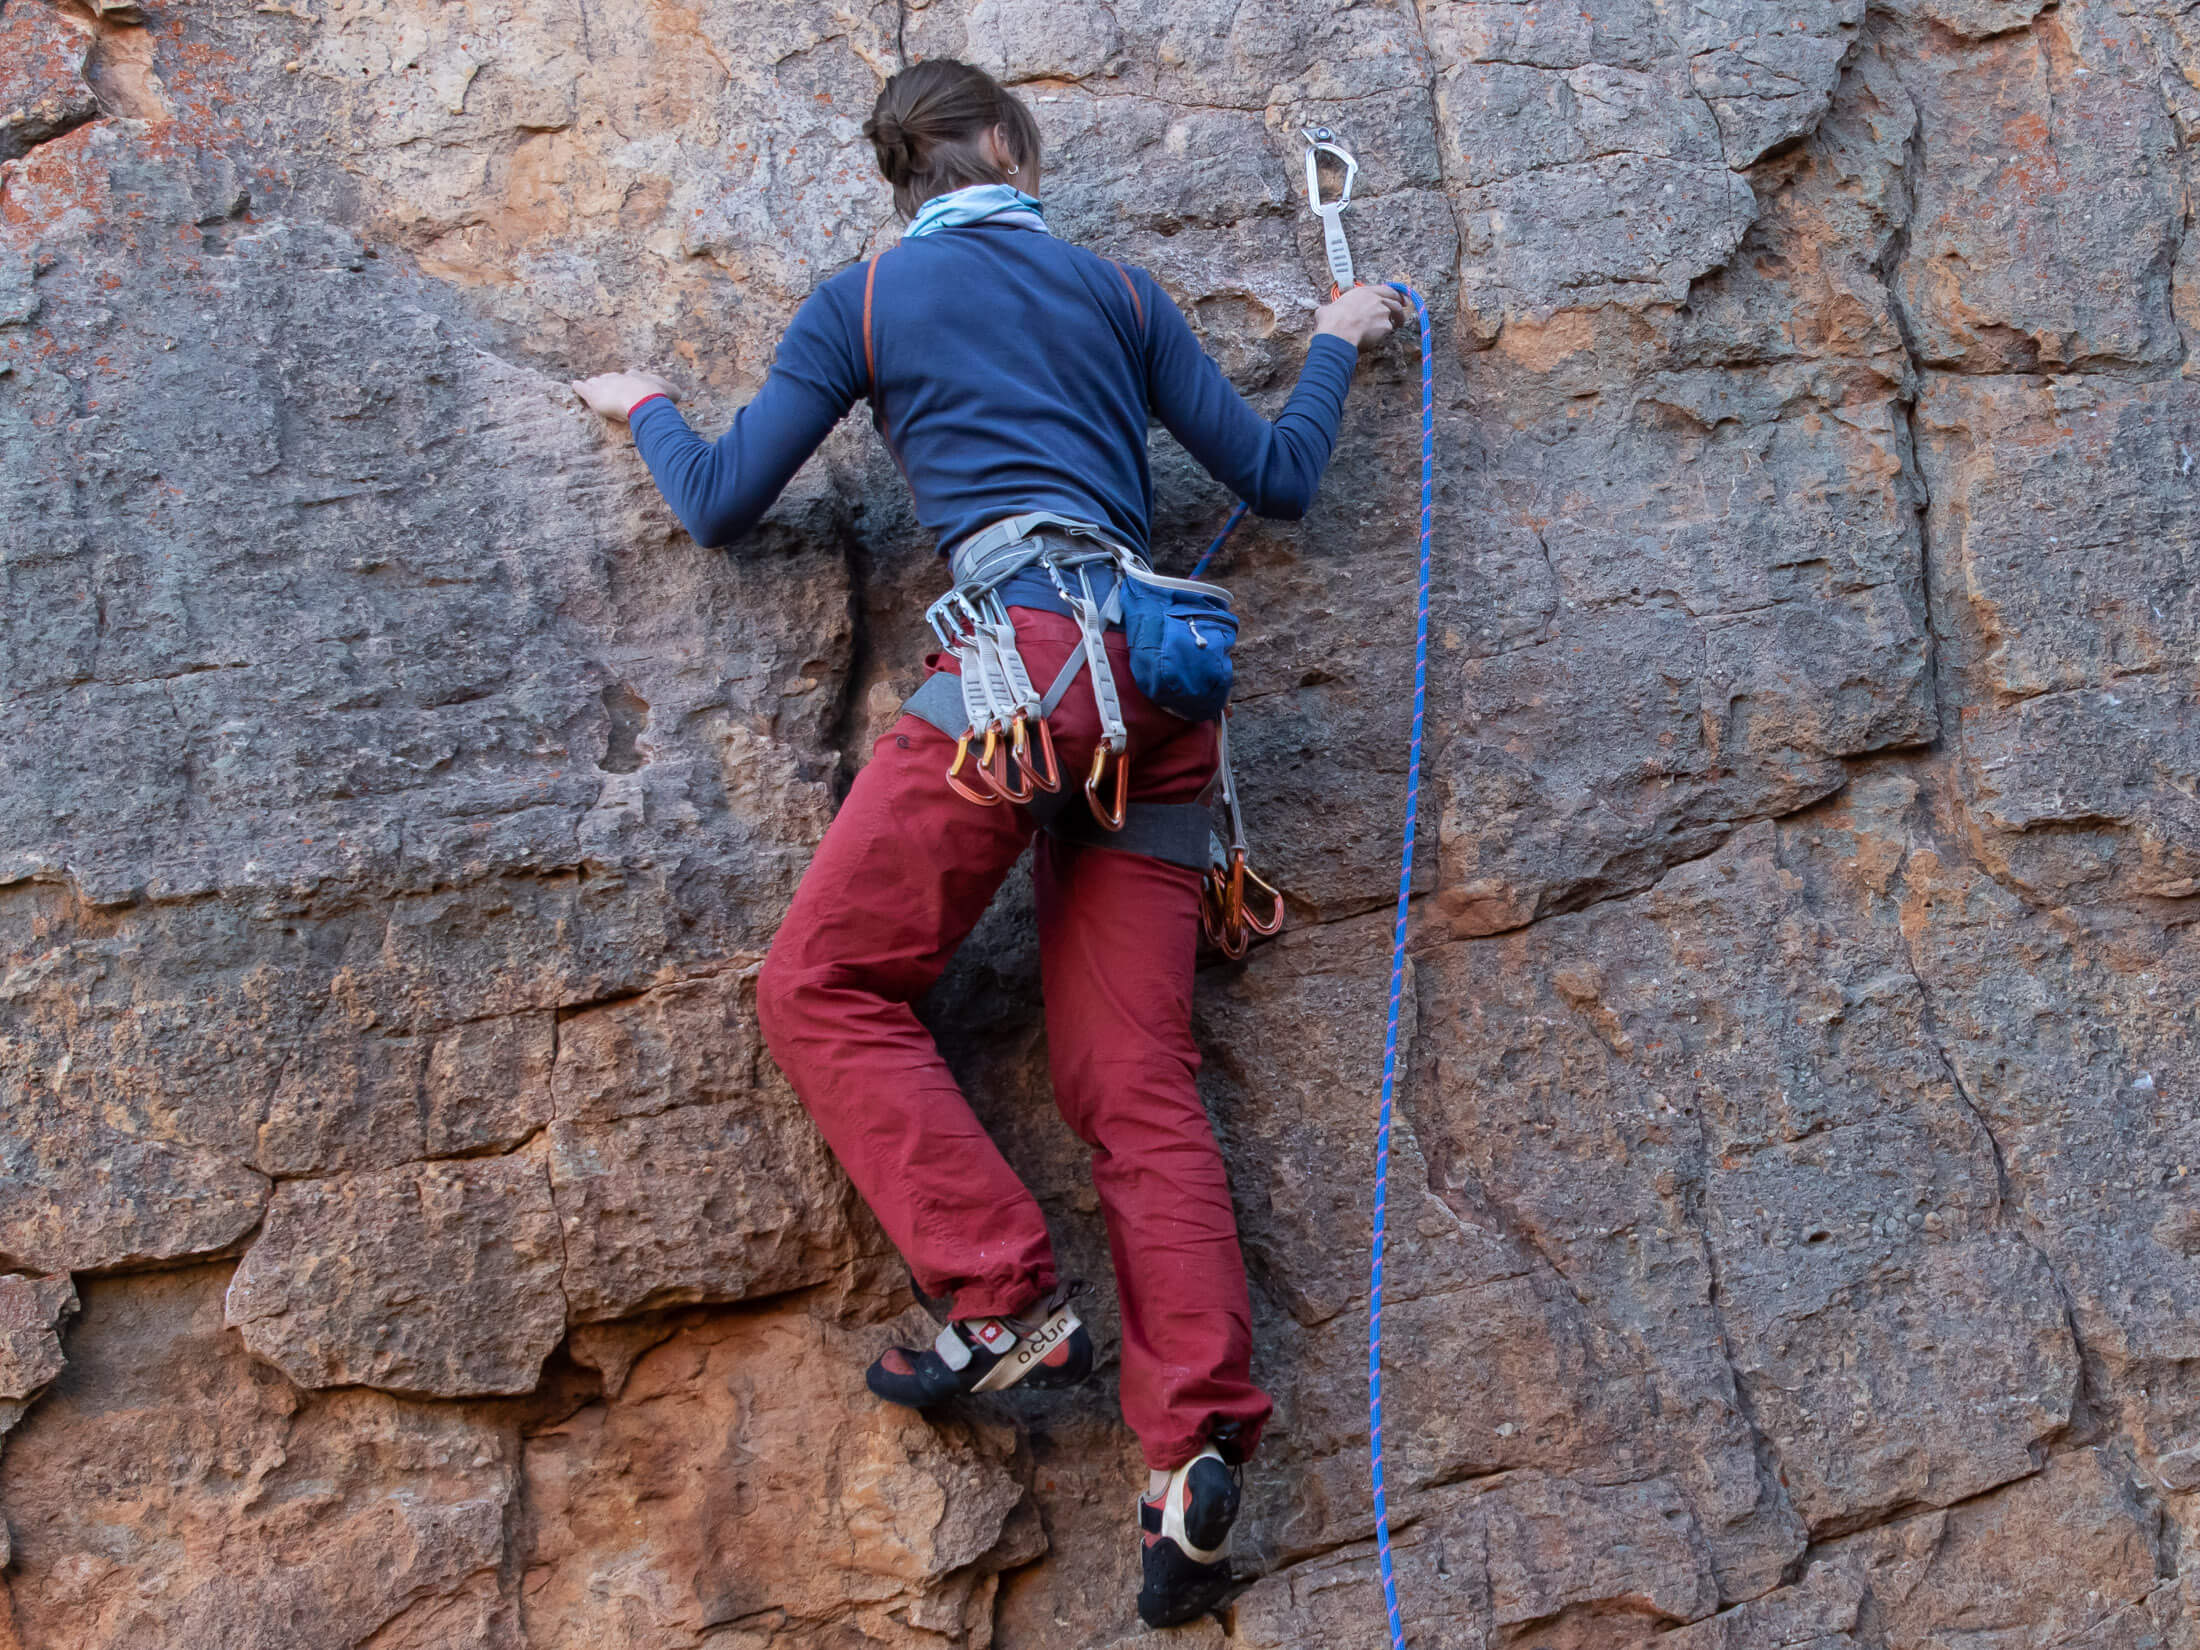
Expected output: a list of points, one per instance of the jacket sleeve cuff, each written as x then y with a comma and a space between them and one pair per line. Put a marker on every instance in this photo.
1347, 356
654, 395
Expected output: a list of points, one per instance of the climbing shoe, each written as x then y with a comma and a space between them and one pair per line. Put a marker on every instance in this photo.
1049, 1348
1186, 1523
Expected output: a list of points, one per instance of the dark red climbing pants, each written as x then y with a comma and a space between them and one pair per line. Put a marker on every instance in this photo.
905, 871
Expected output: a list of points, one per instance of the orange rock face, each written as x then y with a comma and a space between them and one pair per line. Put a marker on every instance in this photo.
405, 1242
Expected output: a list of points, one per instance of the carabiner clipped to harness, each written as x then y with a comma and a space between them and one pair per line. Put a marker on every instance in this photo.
1320, 141
955, 768
1228, 920
1045, 777
1229, 924
1109, 818
999, 702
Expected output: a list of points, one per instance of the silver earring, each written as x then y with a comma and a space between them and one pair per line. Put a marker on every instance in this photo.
1012, 171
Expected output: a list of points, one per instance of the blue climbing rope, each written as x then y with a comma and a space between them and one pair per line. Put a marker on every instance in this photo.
1221, 539
1397, 961
1398, 981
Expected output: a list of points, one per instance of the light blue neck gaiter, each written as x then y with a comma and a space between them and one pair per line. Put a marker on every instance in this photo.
978, 203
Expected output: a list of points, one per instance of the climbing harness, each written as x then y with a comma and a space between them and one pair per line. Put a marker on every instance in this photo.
1320, 141
1004, 748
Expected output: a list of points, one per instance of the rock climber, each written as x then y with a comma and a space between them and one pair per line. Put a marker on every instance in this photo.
1014, 377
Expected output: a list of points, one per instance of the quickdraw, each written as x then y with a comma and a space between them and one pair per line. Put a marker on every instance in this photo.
999, 701
1229, 922
1320, 141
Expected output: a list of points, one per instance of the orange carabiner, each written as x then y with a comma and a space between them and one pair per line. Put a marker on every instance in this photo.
1230, 935
1047, 776
1109, 821
993, 767
962, 755
1275, 915
1229, 925
1209, 908
1018, 746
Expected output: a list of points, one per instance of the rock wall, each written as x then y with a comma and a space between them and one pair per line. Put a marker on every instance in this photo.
407, 1244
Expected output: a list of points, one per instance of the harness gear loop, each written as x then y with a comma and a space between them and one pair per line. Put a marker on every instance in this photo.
1320, 141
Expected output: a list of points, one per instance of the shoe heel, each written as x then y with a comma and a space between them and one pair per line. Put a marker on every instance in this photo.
1210, 1502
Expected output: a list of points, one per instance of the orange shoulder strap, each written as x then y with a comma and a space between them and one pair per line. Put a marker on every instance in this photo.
870, 361
1138, 307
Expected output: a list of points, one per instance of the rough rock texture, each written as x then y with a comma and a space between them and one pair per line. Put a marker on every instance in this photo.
1796, 1212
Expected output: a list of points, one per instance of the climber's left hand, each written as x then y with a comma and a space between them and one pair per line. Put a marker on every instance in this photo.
614, 394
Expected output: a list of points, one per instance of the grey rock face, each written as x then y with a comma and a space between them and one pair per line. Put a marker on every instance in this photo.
1793, 1211
31, 1314
438, 1278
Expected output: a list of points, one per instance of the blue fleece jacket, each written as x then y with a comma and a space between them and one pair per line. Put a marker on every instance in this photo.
1015, 372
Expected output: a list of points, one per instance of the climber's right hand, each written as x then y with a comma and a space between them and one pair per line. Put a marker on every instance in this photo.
1366, 315
615, 394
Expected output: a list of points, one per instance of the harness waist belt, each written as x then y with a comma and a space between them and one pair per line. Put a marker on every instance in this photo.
995, 553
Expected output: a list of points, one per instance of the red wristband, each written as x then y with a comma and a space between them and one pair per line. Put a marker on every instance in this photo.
653, 395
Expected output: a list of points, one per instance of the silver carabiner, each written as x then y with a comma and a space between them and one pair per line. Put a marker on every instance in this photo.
936, 616
1320, 141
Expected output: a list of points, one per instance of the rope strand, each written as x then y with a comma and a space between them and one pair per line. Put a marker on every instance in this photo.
1397, 963
1398, 985
1221, 539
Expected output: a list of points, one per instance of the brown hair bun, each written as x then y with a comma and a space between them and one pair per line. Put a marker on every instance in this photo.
928, 130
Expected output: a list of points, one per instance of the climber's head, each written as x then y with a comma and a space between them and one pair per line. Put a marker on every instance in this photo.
941, 125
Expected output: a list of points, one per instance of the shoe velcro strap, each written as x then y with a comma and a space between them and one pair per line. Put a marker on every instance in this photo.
1149, 1518
1030, 1349
954, 1351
